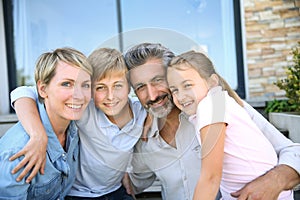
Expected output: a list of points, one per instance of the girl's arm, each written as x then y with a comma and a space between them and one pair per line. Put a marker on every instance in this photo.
34, 152
212, 152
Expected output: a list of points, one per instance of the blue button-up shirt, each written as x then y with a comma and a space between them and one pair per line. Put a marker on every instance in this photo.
60, 167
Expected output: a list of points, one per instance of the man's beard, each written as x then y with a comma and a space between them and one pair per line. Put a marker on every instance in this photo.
162, 111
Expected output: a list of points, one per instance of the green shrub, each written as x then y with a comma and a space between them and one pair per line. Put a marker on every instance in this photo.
291, 86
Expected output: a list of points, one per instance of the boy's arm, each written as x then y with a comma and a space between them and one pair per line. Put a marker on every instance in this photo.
34, 151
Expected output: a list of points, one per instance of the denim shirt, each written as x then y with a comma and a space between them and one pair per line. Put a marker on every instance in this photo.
102, 146
60, 167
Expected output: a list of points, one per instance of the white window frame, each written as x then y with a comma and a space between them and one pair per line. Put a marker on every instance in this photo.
4, 91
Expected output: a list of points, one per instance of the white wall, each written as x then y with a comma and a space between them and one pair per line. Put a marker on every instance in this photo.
4, 91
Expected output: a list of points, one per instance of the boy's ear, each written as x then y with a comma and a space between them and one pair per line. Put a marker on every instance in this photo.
41, 89
213, 81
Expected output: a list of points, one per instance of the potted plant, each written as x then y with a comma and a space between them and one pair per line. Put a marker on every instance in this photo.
285, 113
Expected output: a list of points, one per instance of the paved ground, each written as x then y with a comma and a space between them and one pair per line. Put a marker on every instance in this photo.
149, 196
156, 196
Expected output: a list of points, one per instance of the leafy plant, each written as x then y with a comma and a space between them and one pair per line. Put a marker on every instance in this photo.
280, 106
291, 86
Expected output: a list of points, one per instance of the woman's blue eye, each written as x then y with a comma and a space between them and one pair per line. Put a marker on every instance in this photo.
66, 84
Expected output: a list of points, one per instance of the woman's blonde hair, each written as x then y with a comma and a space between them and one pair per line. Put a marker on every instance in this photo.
46, 64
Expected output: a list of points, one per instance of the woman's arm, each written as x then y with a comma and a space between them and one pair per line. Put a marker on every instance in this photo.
212, 141
35, 151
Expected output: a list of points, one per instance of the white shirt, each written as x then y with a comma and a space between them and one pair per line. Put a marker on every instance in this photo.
176, 168
105, 150
248, 154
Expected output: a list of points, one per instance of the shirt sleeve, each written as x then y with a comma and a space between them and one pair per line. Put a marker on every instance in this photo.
287, 151
23, 91
141, 176
9, 187
211, 109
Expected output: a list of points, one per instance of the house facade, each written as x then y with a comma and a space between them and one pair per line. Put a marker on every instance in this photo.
269, 29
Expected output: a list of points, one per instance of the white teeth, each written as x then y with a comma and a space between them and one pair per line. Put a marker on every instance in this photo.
74, 106
186, 104
110, 104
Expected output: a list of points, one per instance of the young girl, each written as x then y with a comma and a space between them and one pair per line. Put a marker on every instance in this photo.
107, 132
234, 151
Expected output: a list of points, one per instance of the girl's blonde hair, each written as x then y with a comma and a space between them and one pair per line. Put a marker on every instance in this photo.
204, 66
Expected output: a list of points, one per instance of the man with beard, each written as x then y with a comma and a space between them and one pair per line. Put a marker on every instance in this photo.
172, 152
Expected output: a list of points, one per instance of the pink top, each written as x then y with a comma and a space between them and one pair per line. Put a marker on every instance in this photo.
247, 152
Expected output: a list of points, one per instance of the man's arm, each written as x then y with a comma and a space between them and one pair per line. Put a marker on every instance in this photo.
269, 186
287, 151
35, 150
285, 175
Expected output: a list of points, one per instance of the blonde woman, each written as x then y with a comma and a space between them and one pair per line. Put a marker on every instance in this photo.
63, 82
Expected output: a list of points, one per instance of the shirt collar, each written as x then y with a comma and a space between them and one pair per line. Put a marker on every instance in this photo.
54, 148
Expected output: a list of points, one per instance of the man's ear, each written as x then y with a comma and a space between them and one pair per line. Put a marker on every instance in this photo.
213, 81
42, 89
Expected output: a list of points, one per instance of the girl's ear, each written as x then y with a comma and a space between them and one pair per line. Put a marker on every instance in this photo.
213, 81
41, 89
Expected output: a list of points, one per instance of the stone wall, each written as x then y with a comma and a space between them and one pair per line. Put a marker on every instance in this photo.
272, 28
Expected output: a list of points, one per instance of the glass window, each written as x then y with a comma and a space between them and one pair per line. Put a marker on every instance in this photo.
209, 24
40, 26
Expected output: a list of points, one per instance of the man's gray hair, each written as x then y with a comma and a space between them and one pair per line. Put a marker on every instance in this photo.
141, 53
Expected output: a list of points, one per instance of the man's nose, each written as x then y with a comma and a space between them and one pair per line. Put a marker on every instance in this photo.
152, 92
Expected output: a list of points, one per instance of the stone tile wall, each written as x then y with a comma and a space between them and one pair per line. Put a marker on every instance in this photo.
272, 28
